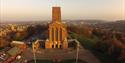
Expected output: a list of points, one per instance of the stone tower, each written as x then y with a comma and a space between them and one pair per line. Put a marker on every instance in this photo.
56, 14
57, 31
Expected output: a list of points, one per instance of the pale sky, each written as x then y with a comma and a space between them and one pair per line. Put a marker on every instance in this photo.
26, 10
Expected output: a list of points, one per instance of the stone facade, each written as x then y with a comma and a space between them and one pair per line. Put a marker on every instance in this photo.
57, 31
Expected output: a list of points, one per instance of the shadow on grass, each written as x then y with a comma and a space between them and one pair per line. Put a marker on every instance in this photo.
72, 61
41, 61
63, 61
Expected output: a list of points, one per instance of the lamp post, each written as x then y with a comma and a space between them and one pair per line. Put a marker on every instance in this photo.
34, 55
77, 51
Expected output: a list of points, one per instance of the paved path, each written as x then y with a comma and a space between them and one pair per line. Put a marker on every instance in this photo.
62, 54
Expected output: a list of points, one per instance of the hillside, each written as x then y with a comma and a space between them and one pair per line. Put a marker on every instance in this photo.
117, 26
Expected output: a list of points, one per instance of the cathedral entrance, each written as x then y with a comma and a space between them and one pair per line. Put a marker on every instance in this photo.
56, 46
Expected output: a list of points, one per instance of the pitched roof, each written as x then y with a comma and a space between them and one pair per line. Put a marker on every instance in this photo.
14, 51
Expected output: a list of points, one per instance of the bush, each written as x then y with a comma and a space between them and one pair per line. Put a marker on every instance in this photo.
1, 48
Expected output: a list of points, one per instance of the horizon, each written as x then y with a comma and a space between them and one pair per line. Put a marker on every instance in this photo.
40, 10
84, 20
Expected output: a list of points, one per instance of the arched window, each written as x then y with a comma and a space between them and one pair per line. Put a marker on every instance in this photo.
57, 34
52, 34
60, 34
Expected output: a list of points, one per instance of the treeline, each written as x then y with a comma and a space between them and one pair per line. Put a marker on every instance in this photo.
22, 35
107, 45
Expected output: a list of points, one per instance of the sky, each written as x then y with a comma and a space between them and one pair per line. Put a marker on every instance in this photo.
38, 10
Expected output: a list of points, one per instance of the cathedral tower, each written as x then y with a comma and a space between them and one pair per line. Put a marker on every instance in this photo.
57, 31
56, 14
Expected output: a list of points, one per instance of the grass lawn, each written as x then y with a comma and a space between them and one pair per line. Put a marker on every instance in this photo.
41, 61
64, 61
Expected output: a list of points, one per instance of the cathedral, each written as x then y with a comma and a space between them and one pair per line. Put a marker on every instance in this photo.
57, 37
